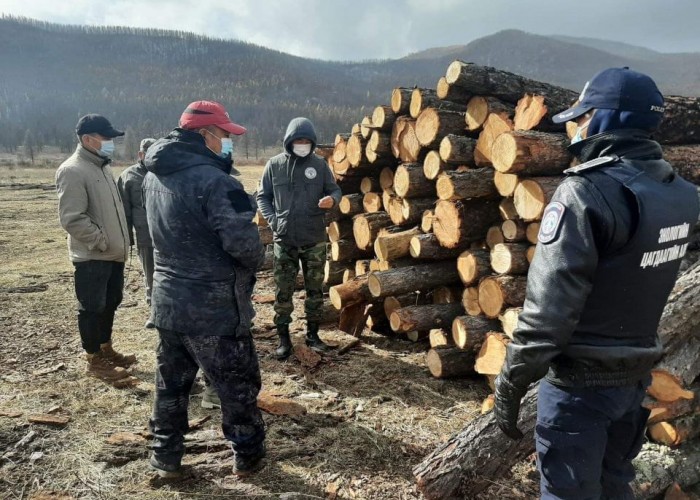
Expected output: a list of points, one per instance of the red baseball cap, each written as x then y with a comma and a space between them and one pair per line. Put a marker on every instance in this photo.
204, 113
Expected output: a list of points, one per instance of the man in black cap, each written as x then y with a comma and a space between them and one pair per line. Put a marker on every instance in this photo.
91, 211
610, 245
130, 183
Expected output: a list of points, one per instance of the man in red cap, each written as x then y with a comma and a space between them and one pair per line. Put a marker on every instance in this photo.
207, 251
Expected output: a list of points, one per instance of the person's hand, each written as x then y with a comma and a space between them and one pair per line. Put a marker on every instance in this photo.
507, 407
326, 202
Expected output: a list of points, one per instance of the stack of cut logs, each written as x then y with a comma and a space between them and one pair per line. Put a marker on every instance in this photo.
443, 193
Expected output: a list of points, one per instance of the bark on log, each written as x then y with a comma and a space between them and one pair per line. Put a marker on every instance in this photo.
494, 236
463, 220
438, 337
416, 335
424, 317
366, 228
506, 208
677, 431
470, 301
394, 246
469, 332
409, 279
472, 265
351, 204
530, 153
404, 142
447, 295
383, 118
681, 123
426, 246
505, 183
433, 165
345, 250
412, 209
497, 292
534, 112
339, 230
353, 319
350, 293
449, 362
495, 126
401, 100
457, 149
510, 258
372, 203
685, 160
662, 411
452, 93
509, 320
492, 354
433, 124
386, 178
422, 99
333, 272
348, 183
394, 302
658, 467
480, 107
409, 182
348, 274
362, 266
470, 183
531, 232
370, 185
532, 196
509, 87
379, 142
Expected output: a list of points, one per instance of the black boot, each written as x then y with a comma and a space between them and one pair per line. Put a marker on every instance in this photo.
313, 340
285, 347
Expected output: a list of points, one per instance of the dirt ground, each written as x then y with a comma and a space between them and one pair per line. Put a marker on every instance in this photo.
371, 413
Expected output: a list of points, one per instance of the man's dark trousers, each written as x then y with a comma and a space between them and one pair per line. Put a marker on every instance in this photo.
586, 439
230, 363
98, 287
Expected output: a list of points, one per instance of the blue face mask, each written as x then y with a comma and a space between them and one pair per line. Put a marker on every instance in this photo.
226, 147
107, 148
578, 137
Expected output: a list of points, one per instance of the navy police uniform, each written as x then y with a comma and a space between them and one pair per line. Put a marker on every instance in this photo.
610, 245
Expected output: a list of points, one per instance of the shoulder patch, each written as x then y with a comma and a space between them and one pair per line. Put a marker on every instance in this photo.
551, 220
594, 163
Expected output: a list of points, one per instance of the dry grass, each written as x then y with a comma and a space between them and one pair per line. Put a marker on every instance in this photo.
372, 413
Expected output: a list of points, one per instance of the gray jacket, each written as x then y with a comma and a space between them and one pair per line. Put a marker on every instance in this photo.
90, 208
291, 188
129, 184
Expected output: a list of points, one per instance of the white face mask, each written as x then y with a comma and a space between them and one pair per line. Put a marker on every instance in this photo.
301, 150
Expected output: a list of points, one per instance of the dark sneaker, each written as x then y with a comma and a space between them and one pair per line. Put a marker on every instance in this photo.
246, 465
165, 470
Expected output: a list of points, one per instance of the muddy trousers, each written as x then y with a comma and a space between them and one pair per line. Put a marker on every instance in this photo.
586, 439
230, 364
286, 268
98, 288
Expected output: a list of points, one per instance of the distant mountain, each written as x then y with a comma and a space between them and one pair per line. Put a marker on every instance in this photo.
141, 79
615, 48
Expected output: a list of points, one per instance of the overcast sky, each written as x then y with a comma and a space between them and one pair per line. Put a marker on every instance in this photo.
369, 29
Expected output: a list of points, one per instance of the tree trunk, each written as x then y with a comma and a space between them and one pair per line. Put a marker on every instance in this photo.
362, 266
494, 126
667, 387
433, 165
505, 183
394, 246
438, 337
424, 317
426, 222
366, 228
496, 292
449, 362
658, 467
662, 411
339, 230
409, 182
348, 274
510, 258
463, 220
531, 253
531, 232
333, 272
348, 183
492, 354
472, 265
506, 208
470, 301
494, 236
457, 149
386, 178
372, 203
469, 183
409, 279
509, 320
379, 142
351, 204
412, 209
401, 100
370, 185
452, 93
480, 107
530, 153
392, 303
340, 148
685, 160
345, 250
532, 196
509, 87
404, 142
447, 295
469, 332
422, 99
534, 112
355, 150
366, 127
426, 246
353, 319
433, 124
681, 123
350, 293
677, 431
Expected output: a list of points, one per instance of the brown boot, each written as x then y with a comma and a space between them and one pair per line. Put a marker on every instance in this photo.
100, 368
116, 358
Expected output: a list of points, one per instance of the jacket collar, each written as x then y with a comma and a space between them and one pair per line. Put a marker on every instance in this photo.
631, 143
93, 158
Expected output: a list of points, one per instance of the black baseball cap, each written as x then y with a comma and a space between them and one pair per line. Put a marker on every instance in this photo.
96, 124
616, 88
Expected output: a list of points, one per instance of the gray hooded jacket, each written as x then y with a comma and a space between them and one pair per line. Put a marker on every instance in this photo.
291, 188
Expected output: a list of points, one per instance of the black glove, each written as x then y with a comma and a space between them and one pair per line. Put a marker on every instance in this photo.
507, 407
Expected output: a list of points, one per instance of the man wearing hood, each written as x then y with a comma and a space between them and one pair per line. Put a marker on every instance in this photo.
130, 183
207, 251
297, 188
90, 210
610, 245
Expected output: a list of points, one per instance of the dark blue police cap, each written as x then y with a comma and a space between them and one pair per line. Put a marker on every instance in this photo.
616, 88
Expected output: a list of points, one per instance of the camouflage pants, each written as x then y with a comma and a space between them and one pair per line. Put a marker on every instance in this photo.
287, 259
231, 366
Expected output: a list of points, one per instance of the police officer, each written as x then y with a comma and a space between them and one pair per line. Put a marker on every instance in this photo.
610, 245
297, 188
207, 250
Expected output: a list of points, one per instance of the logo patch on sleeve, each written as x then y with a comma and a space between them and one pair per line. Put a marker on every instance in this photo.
310, 173
551, 220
